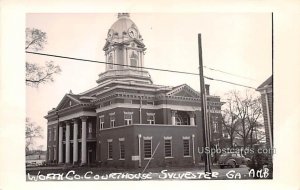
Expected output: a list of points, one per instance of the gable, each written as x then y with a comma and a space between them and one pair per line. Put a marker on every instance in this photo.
184, 91
67, 101
268, 82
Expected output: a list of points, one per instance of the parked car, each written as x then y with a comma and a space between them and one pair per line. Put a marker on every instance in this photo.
233, 160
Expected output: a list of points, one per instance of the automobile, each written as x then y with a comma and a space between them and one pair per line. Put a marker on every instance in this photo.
233, 160
31, 164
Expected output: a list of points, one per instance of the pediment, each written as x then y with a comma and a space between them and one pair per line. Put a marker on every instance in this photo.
67, 101
184, 91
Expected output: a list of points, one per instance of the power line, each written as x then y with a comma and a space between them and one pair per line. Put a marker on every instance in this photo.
217, 70
149, 68
220, 80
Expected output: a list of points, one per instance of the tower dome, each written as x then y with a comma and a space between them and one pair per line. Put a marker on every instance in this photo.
124, 51
123, 29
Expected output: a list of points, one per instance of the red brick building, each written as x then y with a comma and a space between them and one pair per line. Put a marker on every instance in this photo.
126, 120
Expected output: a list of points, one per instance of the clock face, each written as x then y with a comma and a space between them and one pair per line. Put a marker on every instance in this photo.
110, 34
132, 32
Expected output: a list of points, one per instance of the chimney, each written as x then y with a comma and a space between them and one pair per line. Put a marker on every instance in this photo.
207, 89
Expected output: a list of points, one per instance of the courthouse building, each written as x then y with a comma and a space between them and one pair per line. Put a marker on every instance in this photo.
126, 120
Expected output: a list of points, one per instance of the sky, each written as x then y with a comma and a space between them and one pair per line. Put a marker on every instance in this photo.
238, 43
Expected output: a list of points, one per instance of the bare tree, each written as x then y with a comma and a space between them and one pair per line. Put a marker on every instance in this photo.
229, 121
254, 117
243, 116
36, 75
33, 132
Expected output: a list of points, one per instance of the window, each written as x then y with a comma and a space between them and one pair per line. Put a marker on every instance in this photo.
50, 135
151, 118
54, 134
112, 119
168, 147
147, 147
122, 148
90, 128
150, 103
128, 118
101, 122
109, 149
186, 147
133, 59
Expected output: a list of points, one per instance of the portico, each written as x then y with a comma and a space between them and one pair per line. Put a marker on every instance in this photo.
70, 139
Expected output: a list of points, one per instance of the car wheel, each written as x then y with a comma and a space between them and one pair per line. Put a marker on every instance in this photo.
221, 166
237, 166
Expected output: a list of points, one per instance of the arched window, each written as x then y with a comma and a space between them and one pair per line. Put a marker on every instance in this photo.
133, 59
110, 60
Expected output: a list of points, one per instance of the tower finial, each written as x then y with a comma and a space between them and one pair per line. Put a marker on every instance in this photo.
121, 15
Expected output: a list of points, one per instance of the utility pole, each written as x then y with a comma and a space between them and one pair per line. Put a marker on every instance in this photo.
206, 137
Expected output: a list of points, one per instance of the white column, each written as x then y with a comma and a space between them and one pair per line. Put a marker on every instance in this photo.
139, 58
83, 141
126, 57
192, 121
60, 145
115, 59
75, 141
193, 141
142, 63
269, 122
140, 156
192, 118
67, 142
173, 117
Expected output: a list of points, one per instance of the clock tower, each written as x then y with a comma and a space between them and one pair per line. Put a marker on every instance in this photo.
124, 51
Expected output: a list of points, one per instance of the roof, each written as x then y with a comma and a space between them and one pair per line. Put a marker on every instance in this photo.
123, 30
266, 83
123, 24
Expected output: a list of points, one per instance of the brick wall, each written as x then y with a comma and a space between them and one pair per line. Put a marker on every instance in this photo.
130, 134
